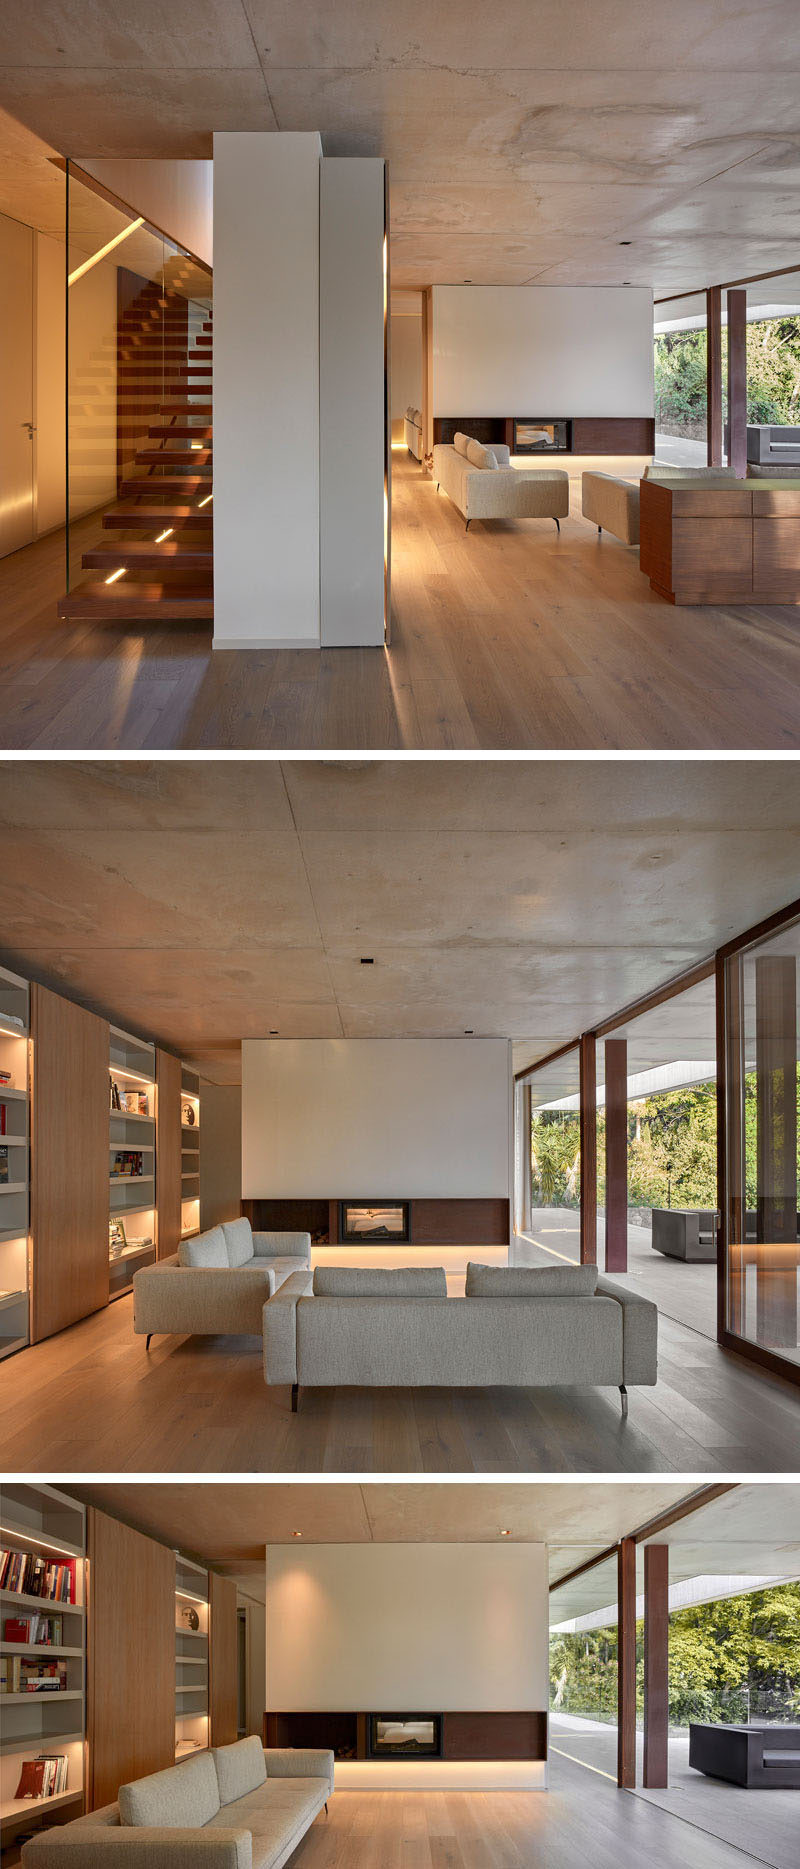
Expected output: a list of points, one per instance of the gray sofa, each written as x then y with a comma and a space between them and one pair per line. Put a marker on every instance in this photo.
217, 1282
759, 1757
483, 485
688, 1233
524, 1327
235, 1807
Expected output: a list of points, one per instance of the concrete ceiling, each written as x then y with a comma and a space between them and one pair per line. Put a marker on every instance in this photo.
229, 1525
526, 141
202, 901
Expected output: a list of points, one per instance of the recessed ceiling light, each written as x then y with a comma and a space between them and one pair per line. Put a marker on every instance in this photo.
468, 1031
297, 1534
274, 1034
468, 282
625, 243
367, 960
504, 1531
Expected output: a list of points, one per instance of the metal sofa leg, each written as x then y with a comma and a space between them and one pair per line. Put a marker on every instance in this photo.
149, 1335
599, 532
467, 526
624, 1397
558, 528
295, 1396
326, 1807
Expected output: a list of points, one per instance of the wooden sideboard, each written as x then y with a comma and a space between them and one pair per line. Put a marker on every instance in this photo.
713, 542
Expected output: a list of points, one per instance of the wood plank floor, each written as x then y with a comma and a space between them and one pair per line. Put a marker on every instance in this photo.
581, 1820
92, 1400
509, 638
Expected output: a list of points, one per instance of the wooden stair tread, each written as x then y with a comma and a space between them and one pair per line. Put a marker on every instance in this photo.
185, 408
136, 601
158, 485
185, 433
147, 516
148, 556
175, 457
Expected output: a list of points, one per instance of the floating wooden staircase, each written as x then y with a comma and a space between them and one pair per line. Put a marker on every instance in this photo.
164, 490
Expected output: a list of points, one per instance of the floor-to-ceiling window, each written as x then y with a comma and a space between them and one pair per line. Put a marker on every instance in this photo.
548, 1159
759, 985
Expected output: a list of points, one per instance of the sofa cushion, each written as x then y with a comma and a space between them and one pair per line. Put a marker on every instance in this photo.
239, 1241
276, 1815
185, 1796
530, 1281
206, 1249
460, 442
661, 470
415, 1281
476, 453
240, 1768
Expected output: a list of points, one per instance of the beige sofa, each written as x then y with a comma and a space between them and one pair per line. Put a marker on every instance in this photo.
612, 505
412, 426
234, 1807
217, 1282
521, 1326
483, 485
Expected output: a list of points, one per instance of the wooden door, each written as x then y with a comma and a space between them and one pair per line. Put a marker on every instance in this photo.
16, 385
223, 1658
130, 1657
69, 1162
168, 1153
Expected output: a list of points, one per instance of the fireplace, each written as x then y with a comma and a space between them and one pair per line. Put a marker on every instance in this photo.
384, 1223
535, 436
404, 1736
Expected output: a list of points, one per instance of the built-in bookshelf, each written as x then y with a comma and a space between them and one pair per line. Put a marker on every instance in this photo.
132, 1159
14, 1162
192, 1623
42, 1638
190, 1152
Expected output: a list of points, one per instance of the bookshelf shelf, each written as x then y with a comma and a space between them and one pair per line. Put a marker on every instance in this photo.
191, 1657
15, 1154
39, 1521
132, 1130
9, 1095
190, 1152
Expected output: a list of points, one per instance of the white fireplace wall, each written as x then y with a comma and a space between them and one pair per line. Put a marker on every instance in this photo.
543, 350
418, 1628
374, 1119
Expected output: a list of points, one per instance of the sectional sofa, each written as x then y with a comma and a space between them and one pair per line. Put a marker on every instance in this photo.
217, 1282
483, 485
234, 1807
522, 1326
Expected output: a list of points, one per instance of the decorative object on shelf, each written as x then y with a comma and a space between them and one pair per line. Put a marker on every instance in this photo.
116, 1101
3, 1166
188, 1114
117, 1240
188, 1618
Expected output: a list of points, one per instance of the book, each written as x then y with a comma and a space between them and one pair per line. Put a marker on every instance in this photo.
43, 1777
41, 1631
22, 1674
31, 1779
25, 1573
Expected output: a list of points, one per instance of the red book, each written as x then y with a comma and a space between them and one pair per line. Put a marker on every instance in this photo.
31, 1779
15, 1630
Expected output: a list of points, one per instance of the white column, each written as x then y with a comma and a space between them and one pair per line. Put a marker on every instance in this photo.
266, 389
353, 409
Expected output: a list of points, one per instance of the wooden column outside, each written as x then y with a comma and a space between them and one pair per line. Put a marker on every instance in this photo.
656, 1666
714, 376
737, 381
776, 1150
616, 1061
588, 1134
626, 1665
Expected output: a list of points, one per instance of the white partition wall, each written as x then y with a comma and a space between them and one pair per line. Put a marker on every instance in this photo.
266, 389
368, 1118
353, 435
543, 350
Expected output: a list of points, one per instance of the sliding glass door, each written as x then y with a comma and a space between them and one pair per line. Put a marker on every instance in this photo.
760, 1249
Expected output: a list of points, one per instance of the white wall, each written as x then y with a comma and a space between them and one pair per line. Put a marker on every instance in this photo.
368, 1118
542, 350
175, 195
406, 363
351, 412
266, 389
409, 1628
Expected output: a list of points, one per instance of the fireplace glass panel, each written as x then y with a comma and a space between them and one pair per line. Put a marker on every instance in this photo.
535, 437
385, 1222
405, 1737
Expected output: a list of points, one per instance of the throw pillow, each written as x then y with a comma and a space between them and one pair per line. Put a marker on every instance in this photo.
460, 442
240, 1768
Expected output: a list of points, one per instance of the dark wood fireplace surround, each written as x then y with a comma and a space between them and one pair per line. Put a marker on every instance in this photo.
431, 1222
467, 1736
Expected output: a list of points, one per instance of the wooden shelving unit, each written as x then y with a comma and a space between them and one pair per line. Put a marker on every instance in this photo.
191, 1657
132, 1197
41, 1520
190, 1152
14, 1163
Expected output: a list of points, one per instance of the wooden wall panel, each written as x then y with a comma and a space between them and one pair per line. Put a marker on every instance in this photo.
614, 434
69, 1162
168, 1152
223, 1660
131, 1656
